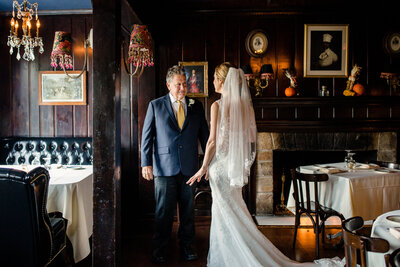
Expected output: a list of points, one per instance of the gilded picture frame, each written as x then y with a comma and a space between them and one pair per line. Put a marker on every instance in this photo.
326, 50
196, 78
56, 88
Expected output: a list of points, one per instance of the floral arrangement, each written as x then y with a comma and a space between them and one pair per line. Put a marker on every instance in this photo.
355, 72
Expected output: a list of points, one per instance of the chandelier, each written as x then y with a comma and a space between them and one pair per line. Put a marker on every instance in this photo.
23, 14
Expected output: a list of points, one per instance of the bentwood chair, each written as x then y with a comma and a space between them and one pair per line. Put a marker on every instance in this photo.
357, 242
308, 204
28, 236
393, 259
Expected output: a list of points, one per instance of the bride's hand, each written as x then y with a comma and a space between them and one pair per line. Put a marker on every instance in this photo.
197, 176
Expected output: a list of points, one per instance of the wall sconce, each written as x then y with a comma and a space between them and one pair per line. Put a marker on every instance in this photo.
392, 79
140, 50
25, 12
258, 81
62, 52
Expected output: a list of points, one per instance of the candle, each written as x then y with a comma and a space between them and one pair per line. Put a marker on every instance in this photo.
37, 27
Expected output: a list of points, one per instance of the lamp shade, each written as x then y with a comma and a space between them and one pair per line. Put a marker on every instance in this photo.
62, 47
247, 69
267, 68
141, 47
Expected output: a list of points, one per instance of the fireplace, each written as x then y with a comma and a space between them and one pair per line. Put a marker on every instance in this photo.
278, 152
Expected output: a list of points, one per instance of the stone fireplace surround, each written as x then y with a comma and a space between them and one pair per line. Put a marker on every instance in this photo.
383, 143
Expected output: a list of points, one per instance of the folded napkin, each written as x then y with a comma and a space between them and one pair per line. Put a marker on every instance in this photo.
362, 166
330, 170
395, 231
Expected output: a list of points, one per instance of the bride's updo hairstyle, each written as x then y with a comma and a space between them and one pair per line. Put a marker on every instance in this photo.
222, 70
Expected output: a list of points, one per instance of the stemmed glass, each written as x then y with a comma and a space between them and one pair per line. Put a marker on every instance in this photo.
349, 161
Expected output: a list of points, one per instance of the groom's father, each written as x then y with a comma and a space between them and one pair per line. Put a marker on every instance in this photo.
173, 126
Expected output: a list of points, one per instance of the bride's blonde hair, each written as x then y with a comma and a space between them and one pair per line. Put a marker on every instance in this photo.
221, 71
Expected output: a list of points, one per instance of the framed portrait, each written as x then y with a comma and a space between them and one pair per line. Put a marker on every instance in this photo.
56, 88
196, 78
256, 43
325, 50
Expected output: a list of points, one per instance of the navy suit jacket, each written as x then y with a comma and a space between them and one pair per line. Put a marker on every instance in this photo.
167, 148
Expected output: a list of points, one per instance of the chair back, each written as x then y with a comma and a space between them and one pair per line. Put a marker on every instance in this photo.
302, 183
25, 233
357, 242
394, 258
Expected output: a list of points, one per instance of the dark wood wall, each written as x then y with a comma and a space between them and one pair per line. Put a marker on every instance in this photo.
20, 112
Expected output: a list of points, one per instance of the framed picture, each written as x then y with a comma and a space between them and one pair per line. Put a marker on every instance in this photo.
56, 88
325, 50
256, 43
196, 78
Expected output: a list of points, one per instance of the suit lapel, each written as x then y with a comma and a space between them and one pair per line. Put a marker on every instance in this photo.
188, 113
167, 102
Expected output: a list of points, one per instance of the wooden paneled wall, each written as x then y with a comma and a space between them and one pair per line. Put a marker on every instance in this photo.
20, 112
218, 36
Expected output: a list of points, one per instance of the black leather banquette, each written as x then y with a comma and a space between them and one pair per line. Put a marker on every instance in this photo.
50, 150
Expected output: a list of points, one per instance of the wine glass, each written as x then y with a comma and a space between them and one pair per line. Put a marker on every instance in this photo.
351, 163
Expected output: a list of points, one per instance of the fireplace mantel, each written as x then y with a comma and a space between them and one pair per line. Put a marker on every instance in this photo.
339, 113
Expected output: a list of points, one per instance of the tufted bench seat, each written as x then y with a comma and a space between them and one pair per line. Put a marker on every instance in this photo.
53, 150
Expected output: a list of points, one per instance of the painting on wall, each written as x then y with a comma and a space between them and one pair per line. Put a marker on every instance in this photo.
56, 88
325, 50
196, 78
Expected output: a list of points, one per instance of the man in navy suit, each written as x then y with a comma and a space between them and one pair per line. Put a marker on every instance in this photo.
169, 152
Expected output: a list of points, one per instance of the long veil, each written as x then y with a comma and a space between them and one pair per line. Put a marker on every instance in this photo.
236, 117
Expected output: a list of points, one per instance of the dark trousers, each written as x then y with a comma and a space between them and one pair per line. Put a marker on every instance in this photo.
170, 190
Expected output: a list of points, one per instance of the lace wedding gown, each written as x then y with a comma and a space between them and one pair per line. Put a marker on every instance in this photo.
234, 238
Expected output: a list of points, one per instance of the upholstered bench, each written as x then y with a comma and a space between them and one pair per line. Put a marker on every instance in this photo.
46, 150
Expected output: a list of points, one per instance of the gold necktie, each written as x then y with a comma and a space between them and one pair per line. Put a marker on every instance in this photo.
180, 116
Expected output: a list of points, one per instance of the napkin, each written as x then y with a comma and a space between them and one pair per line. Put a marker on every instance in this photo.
362, 166
395, 231
330, 170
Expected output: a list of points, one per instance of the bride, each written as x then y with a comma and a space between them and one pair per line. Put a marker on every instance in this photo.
231, 148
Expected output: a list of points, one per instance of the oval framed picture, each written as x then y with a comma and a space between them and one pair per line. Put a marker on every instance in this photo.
257, 43
392, 44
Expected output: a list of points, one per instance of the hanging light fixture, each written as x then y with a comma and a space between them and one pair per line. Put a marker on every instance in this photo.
140, 50
22, 15
61, 54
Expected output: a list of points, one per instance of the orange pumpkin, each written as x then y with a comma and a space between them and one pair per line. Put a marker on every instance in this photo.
290, 91
359, 89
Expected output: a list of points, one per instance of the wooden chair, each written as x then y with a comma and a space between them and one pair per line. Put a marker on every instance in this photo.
357, 242
393, 259
309, 206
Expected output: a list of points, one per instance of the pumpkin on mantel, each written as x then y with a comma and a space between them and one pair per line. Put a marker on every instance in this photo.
359, 89
290, 91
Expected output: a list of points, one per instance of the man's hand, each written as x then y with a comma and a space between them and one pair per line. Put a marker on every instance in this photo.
147, 173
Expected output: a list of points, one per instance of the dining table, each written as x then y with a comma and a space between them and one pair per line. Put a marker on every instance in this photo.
385, 227
71, 193
367, 190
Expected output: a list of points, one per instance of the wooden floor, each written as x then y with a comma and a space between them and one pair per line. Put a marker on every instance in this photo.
136, 251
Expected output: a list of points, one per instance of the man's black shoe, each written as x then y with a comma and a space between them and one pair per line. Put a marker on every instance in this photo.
158, 257
188, 253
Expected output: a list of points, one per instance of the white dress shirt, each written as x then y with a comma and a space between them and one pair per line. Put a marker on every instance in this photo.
175, 104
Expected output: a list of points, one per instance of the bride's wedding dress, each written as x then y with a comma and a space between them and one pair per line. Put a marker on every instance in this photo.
234, 238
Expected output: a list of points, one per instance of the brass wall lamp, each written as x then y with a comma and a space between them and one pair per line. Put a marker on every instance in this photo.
258, 81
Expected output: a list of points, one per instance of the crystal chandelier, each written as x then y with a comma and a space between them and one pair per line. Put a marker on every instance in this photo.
23, 15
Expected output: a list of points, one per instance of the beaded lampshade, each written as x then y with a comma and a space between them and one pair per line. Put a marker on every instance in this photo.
62, 47
141, 47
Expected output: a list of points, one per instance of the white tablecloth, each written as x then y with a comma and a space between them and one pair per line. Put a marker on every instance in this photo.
71, 193
380, 229
364, 193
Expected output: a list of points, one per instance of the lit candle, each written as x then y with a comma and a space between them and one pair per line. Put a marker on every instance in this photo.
29, 28
12, 24
16, 28
37, 27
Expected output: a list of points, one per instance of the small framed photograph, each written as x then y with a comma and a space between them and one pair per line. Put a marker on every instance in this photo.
325, 50
256, 43
196, 78
56, 88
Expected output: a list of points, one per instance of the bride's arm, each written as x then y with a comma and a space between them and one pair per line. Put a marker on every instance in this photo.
210, 146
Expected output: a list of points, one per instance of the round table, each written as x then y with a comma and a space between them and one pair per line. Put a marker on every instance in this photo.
380, 229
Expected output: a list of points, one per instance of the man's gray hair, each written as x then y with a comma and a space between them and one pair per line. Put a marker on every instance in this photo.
174, 70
